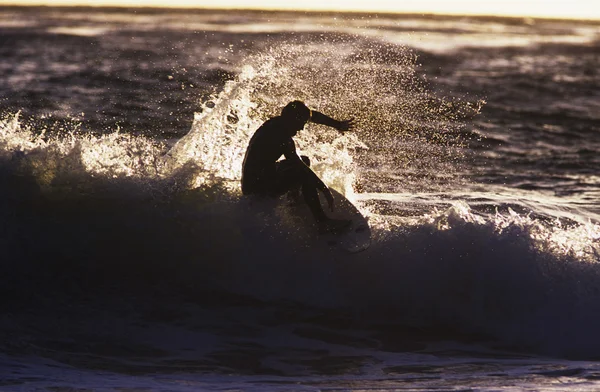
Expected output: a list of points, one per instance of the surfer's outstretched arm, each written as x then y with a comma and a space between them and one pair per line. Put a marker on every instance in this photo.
320, 118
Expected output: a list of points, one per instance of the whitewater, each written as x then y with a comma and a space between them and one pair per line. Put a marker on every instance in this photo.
131, 261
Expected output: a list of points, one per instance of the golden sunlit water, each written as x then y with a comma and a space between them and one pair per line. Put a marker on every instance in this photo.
131, 260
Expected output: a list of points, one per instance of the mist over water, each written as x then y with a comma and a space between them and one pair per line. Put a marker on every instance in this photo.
474, 158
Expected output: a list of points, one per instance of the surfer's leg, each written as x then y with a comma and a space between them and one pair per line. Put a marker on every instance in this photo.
311, 197
293, 194
283, 185
326, 224
310, 192
291, 178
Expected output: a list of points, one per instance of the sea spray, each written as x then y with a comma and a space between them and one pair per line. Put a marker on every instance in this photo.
378, 85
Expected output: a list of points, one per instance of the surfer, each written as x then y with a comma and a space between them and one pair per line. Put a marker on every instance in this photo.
263, 174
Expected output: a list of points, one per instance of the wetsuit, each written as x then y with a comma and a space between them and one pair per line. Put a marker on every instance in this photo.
263, 174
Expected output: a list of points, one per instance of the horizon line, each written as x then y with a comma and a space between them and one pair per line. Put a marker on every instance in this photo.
424, 12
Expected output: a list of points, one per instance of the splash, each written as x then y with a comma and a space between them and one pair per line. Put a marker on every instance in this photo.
376, 84
59, 159
563, 239
221, 132
405, 137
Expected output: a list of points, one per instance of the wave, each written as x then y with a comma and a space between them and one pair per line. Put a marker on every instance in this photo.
122, 216
511, 278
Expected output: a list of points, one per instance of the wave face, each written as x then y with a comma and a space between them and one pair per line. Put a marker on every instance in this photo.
113, 232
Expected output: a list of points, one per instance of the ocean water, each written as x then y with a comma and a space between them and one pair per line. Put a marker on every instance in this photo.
131, 262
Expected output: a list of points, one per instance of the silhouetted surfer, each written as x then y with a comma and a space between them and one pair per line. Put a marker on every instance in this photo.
263, 174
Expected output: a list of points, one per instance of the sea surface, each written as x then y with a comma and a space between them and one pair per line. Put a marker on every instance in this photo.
130, 261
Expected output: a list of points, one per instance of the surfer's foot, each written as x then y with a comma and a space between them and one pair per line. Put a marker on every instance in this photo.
334, 226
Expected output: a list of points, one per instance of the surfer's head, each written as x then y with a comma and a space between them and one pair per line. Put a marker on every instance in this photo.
297, 114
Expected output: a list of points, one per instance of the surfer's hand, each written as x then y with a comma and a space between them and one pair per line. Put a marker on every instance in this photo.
346, 125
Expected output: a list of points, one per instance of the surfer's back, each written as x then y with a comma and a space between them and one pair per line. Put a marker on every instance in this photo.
266, 146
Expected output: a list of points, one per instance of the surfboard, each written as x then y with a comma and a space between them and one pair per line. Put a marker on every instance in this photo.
291, 219
296, 217
357, 237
